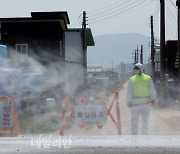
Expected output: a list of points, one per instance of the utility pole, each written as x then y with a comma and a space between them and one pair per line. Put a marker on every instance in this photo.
135, 59
141, 55
178, 5
162, 40
152, 47
137, 56
163, 81
84, 46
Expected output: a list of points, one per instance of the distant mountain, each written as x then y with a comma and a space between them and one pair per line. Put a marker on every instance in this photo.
111, 49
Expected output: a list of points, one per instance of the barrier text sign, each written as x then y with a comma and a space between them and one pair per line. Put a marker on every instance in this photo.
6, 114
90, 114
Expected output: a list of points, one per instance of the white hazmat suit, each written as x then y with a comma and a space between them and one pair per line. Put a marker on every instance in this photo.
141, 106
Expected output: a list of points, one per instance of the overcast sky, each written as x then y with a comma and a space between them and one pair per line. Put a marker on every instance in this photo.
104, 16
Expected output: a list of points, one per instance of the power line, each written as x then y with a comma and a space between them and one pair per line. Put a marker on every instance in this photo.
109, 9
79, 19
171, 13
156, 19
114, 11
142, 6
173, 4
119, 13
98, 10
156, 14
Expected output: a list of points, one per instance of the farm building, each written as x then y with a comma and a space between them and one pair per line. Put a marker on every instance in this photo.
43, 43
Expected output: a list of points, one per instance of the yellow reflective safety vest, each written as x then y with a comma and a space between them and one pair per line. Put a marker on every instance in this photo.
140, 87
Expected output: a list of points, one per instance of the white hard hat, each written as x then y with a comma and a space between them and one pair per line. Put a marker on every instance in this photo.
139, 65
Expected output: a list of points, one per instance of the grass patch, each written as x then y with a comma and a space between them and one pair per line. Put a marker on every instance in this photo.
32, 122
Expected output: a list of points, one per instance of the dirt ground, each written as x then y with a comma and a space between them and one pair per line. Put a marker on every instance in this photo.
162, 121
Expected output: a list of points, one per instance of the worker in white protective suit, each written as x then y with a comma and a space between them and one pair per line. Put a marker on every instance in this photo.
140, 95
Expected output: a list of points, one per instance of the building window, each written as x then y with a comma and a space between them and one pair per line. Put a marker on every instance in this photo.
22, 48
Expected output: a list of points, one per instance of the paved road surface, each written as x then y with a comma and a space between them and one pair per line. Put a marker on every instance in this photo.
91, 144
164, 138
162, 121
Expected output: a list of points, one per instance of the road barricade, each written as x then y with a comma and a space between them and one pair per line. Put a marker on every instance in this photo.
66, 115
8, 117
117, 122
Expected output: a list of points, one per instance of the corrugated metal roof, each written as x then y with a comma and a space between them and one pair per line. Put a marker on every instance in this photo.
89, 36
73, 46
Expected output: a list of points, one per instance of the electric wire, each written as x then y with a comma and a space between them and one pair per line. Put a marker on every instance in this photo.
174, 21
118, 13
95, 24
110, 9
98, 10
79, 19
171, 13
156, 21
173, 4
106, 14
156, 14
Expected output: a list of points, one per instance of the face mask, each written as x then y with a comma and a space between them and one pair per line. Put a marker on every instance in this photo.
136, 71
